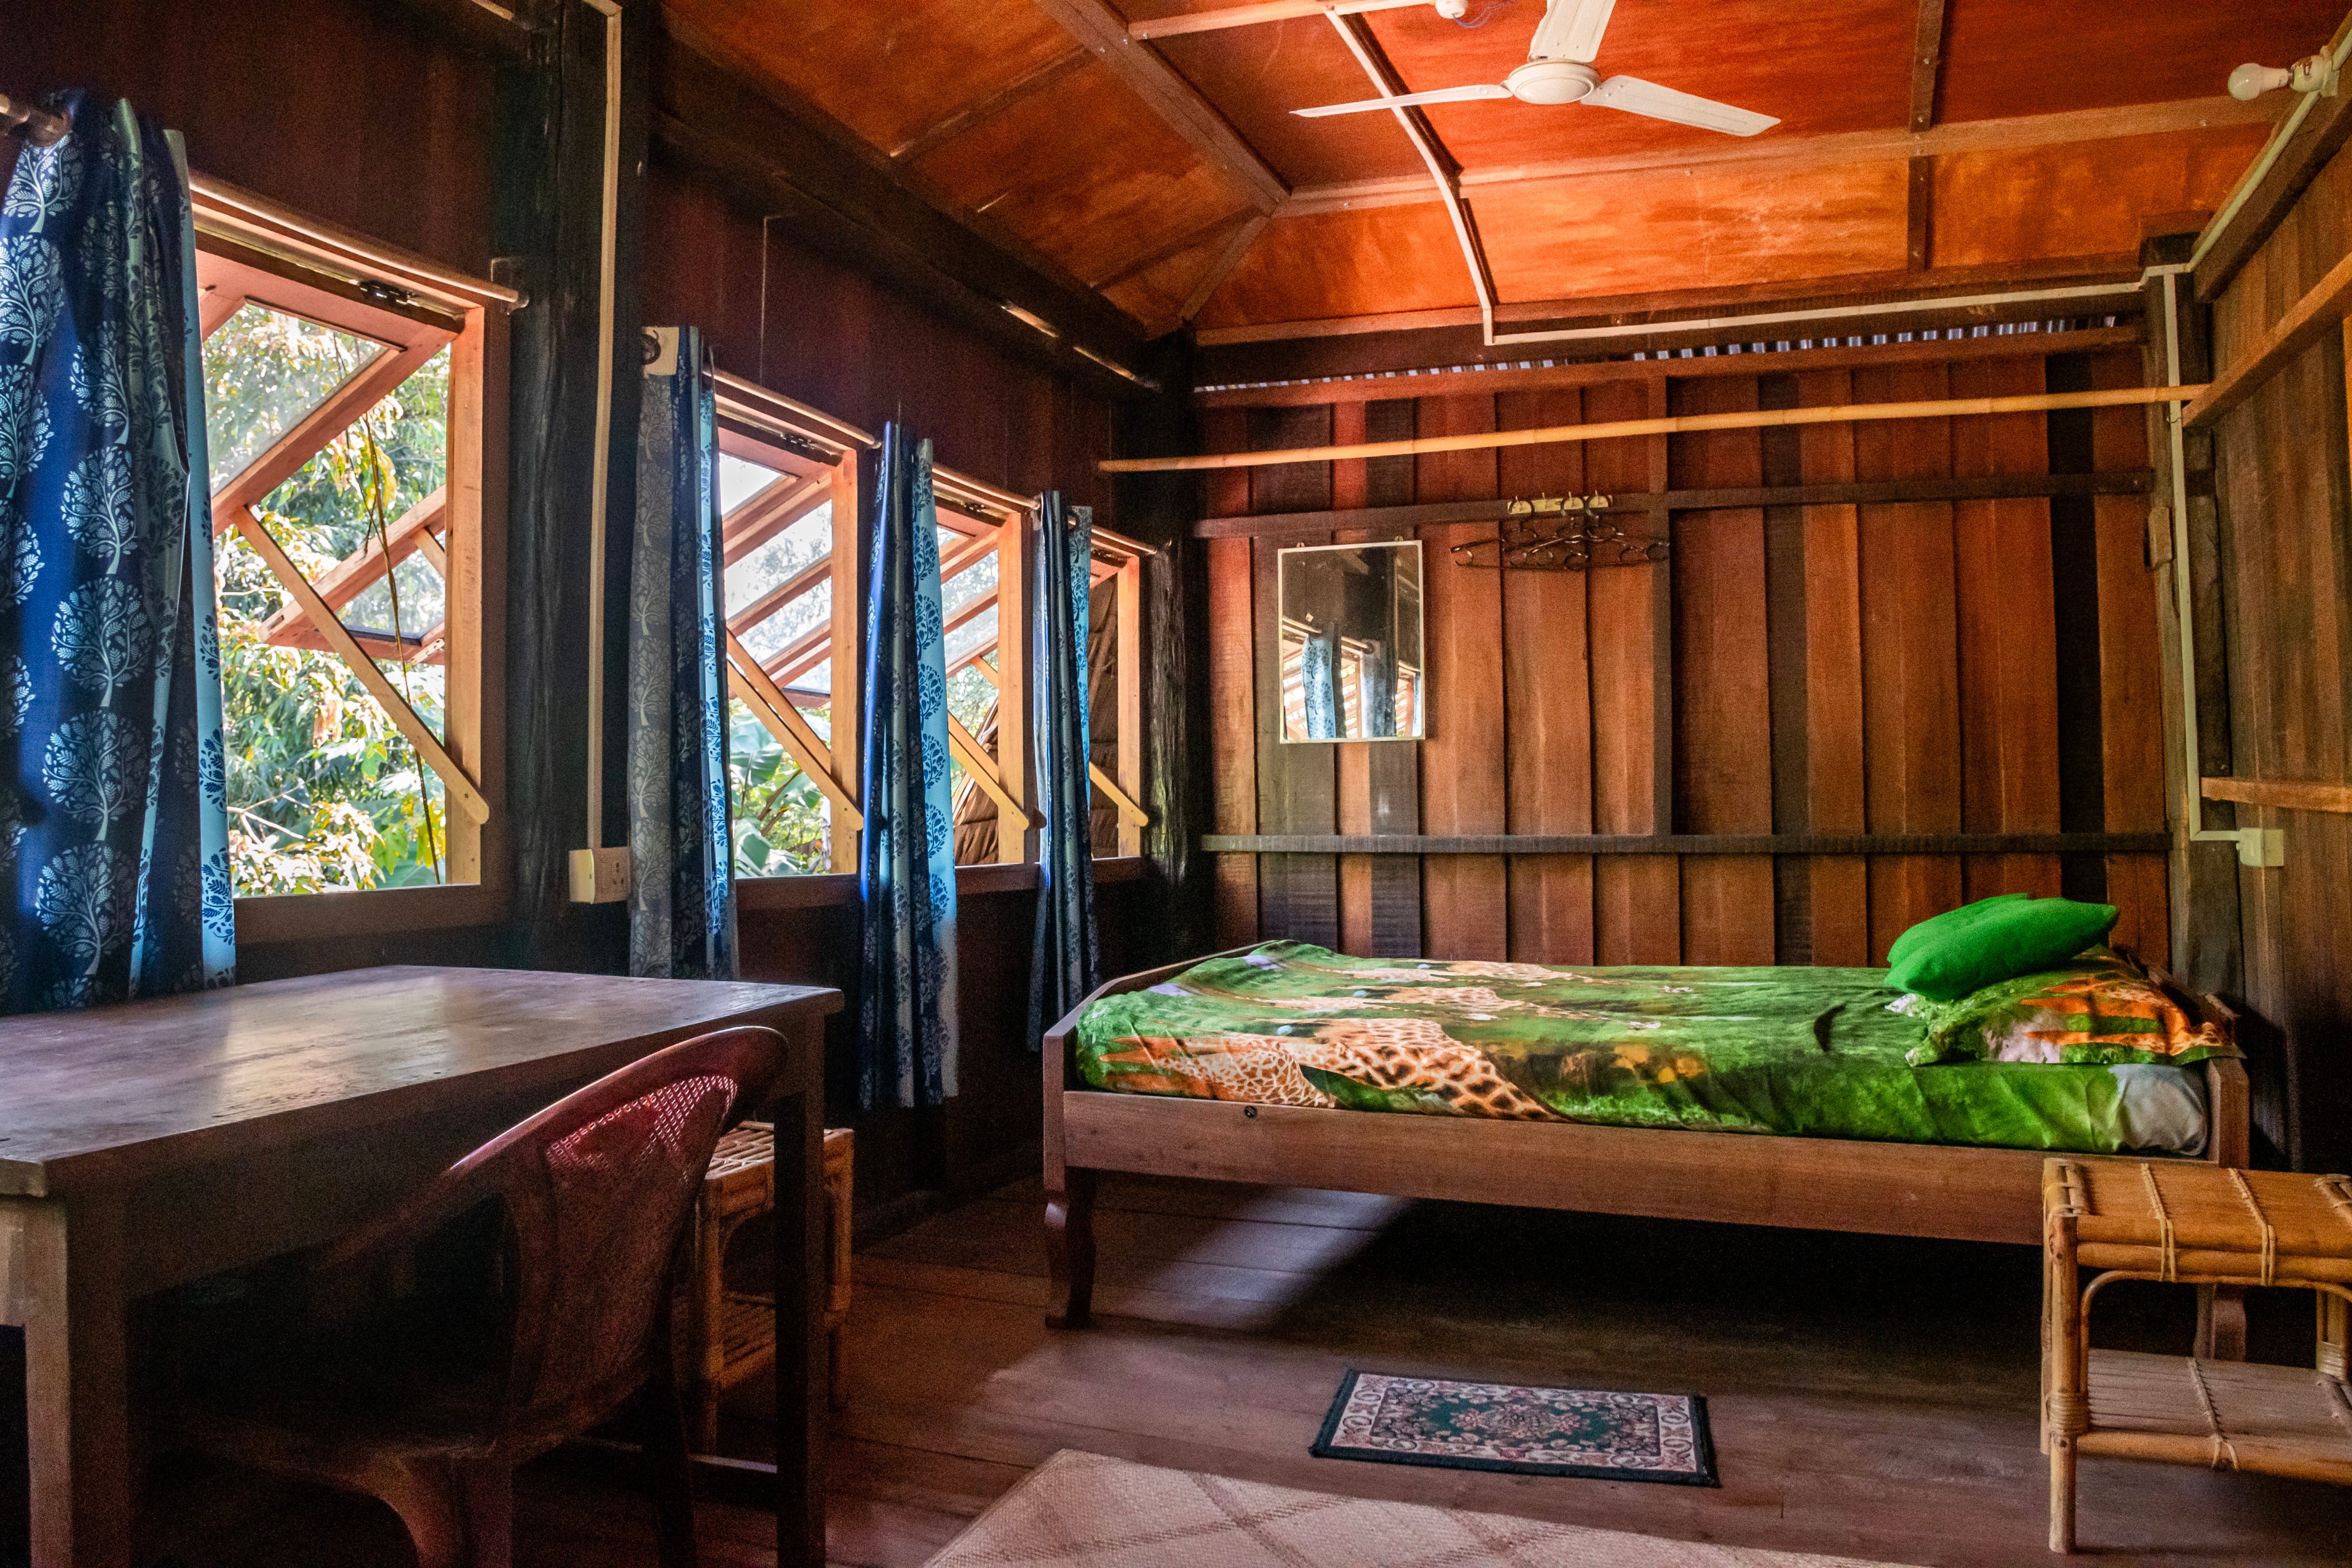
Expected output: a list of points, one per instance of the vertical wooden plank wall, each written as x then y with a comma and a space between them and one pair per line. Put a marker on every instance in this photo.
1831, 669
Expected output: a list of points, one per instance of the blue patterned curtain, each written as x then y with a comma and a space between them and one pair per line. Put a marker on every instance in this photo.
682, 884
1065, 962
906, 870
1379, 694
113, 819
1318, 674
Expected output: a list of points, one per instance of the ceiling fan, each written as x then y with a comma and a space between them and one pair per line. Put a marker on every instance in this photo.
1559, 70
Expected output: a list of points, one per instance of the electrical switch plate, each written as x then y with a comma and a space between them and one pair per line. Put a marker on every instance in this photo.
600, 876
2261, 847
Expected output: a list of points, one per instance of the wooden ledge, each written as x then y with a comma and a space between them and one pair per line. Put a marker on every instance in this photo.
2287, 794
2311, 317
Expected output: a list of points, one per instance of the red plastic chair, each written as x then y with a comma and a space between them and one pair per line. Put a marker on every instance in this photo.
432, 1410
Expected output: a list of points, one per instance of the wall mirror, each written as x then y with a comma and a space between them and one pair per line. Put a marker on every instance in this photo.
1351, 648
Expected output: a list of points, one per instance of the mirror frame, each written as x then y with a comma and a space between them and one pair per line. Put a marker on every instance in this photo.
1281, 575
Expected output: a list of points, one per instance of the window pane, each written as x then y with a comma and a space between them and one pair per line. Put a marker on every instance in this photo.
323, 792
264, 371
739, 481
782, 823
780, 560
977, 632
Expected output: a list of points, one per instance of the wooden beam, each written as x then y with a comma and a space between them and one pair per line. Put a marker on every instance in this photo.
946, 129
750, 683
2286, 795
1016, 698
1671, 425
1868, 493
353, 575
1926, 63
1484, 380
1127, 604
2318, 313
982, 769
1178, 246
1684, 843
1918, 245
1827, 151
457, 787
845, 649
1236, 249
1103, 31
1133, 817
1677, 316
1251, 16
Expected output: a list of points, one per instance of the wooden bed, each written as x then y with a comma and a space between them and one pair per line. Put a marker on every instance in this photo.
1810, 1184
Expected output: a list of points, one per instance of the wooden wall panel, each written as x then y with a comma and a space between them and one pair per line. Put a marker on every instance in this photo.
1722, 699
1636, 899
2131, 677
1830, 670
1297, 784
1463, 770
1232, 696
1910, 656
1547, 701
1834, 772
2008, 636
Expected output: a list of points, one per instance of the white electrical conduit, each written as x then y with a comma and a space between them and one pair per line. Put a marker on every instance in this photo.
2337, 54
600, 479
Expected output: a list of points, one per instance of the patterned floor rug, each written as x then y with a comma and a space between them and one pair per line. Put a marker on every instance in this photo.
1511, 1427
1083, 1510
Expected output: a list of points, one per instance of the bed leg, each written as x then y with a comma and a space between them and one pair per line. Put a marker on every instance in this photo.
1070, 1249
2222, 1322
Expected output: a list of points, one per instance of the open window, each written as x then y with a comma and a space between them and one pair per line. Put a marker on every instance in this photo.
788, 502
344, 418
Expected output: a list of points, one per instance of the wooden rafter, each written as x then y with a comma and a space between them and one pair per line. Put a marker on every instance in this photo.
948, 127
1827, 151
461, 789
1103, 33
1927, 74
1178, 246
1227, 262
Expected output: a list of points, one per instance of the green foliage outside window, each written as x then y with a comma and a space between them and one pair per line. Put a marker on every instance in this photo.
323, 792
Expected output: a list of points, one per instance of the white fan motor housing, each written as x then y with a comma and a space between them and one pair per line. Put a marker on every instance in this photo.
1551, 82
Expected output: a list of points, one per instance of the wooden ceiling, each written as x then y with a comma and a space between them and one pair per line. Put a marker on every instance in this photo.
1172, 176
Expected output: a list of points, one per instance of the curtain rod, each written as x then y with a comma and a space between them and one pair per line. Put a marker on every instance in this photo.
1839, 414
38, 126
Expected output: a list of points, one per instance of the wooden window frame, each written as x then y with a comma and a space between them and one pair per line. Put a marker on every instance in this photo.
252, 248
821, 453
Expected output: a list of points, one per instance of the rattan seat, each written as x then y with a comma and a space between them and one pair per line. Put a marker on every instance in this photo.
2203, 1226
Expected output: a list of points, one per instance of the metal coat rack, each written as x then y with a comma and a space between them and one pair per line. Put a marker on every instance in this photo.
1559, 533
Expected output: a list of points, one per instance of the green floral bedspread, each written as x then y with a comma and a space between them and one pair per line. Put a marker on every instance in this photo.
1793, 1050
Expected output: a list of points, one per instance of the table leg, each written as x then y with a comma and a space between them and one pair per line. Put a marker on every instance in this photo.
801, 1243
61, 1279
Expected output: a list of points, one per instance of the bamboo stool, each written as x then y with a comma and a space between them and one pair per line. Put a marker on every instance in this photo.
732, 1334
2191, 1223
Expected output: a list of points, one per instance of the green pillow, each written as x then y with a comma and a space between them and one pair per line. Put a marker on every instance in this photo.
2018, 936
1944, 924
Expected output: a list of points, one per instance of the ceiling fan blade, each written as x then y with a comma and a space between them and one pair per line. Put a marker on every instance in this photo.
1634, 96
1405, 100
1571, 30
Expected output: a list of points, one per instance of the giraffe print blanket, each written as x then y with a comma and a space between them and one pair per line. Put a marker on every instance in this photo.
1798, 1050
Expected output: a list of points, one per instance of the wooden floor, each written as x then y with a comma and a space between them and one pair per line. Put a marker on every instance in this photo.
1869, 1397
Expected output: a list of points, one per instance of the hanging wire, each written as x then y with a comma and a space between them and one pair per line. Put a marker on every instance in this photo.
1559, 533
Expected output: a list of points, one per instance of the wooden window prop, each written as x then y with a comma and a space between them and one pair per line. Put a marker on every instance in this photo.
345, 421
788, 475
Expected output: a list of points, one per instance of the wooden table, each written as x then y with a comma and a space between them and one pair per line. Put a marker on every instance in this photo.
144, 1145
